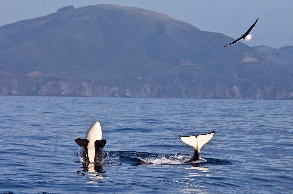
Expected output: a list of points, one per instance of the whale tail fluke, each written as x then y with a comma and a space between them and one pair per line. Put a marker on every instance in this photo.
197, 141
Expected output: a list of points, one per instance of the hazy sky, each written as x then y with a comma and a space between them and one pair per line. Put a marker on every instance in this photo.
230, 17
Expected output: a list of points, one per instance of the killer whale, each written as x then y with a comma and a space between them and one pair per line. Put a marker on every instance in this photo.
92, 145
197, 141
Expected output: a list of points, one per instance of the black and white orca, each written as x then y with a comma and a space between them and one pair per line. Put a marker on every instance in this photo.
197, 141
92, 145
245, 36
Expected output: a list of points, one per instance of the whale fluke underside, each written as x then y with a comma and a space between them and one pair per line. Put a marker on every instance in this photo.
197, 141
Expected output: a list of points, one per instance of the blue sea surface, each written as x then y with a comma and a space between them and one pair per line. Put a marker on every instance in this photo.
251, 151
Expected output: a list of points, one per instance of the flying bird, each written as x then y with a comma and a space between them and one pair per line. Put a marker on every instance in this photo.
246, 36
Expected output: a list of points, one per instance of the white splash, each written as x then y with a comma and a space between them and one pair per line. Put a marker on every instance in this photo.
166, 160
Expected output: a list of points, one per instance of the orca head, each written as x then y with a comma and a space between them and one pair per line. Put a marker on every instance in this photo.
94, 133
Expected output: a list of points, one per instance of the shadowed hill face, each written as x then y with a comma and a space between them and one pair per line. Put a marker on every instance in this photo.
287, 49
106, 36
280, 56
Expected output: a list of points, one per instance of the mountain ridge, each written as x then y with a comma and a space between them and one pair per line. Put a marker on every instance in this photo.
109, 50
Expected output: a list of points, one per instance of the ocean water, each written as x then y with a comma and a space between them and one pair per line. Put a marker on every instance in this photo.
251, 152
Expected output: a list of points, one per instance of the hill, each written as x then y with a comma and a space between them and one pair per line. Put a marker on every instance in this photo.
108, 50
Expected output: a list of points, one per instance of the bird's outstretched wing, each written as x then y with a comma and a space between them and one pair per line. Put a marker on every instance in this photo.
244, 35
234, 42
249, 29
